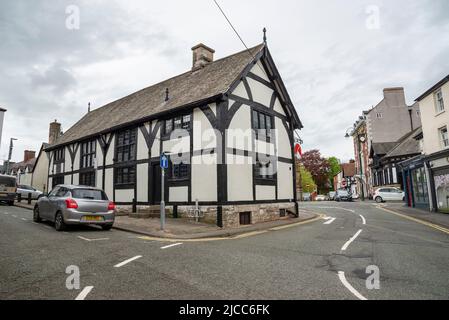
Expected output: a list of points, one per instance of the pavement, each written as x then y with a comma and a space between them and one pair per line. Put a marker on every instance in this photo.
354, 251
189, 229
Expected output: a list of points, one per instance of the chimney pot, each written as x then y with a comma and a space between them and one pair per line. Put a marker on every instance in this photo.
54, 132
28, 155
202, 55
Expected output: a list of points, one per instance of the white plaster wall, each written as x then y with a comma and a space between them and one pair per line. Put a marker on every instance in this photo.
108, 181
50, 183
76, 179
239, 134
240, 178
110, 154
240, 91
76, 164
142, 149
99, 155
181, 145
278, 107
99, 179
142, 182
178, 194
68, 179
263, 147
204, 178
204, 137
265, 193
125, 195
257, 70
431, 121
285, 181
283, 141
261, 93
155, 148
40, 173
67, 160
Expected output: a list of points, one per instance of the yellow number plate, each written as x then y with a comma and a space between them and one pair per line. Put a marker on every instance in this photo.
93, 218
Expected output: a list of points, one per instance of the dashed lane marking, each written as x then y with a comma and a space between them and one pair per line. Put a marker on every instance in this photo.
171, 245
89, 240
341, 276
346, 245
330, 220
83, 294
121, 264
24, 219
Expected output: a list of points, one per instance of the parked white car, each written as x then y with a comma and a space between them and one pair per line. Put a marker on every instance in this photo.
388, 194
320, 197
24, 190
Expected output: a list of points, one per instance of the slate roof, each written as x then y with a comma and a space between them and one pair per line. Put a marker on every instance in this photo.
382, 148
188, 88
408, 145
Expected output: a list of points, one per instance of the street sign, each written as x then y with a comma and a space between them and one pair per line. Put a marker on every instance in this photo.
164, 161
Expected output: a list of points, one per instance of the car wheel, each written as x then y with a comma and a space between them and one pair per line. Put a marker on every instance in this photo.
10, 203
379, 199
36, 216
59, 222
106, 227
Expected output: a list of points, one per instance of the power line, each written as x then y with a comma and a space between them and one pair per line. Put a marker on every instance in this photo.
238, 35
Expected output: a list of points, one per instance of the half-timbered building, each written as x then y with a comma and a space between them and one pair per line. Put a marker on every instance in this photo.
227, 127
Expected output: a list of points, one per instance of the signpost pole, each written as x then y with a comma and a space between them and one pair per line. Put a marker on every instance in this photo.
162, 200
164, 165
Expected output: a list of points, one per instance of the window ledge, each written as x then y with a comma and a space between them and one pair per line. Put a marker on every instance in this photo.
440, 112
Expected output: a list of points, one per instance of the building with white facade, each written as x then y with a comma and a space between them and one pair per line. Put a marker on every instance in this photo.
226, 125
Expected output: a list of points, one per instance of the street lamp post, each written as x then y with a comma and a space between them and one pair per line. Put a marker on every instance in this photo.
361, 138
11, 145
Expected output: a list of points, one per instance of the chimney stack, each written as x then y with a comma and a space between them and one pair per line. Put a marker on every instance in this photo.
55, 132
202, 55
28, 155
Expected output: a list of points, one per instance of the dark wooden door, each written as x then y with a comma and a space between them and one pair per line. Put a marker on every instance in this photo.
155, 178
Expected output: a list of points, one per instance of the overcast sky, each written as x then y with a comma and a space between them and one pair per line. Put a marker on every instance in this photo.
335, 57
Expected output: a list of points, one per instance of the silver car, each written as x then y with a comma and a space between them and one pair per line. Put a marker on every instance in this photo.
69, 205
24, 190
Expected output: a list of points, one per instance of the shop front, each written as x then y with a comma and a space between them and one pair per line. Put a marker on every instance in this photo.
439, 180
416, 183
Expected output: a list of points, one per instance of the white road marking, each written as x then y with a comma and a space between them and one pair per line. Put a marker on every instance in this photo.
330, 220
363, 219
24, 219
171, 245
86, 239
346, 245
83, 294
343, 280
5, 213
14, 216
121, 264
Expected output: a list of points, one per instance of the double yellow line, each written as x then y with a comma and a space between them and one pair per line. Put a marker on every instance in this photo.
432, 225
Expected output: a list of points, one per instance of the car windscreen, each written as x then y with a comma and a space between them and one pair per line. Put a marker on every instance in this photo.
8, 181
89, 194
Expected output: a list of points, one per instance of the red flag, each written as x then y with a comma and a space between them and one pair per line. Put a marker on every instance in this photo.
298, 150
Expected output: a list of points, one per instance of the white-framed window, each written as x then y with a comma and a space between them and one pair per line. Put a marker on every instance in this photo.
439, 102
444, 139
379, 115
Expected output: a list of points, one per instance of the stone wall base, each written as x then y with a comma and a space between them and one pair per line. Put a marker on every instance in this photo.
230, 214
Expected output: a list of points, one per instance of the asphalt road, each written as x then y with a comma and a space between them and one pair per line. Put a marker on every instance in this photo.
326, 259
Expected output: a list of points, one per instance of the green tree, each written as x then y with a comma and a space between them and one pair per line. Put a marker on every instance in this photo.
334, 165
308, 185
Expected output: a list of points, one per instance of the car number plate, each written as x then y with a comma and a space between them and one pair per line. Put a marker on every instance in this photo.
93, 218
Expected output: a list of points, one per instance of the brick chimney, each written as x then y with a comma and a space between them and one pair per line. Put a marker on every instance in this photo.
395, 97
28, 155
202, 55
55, 132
